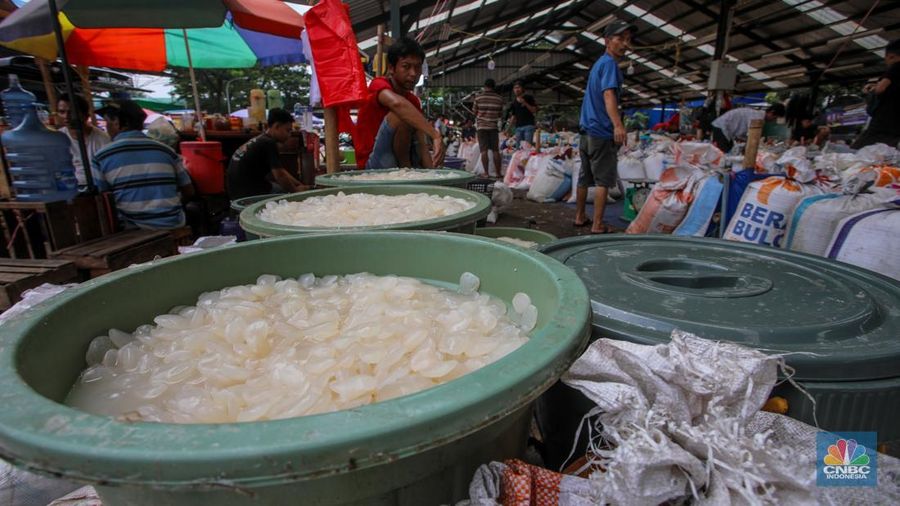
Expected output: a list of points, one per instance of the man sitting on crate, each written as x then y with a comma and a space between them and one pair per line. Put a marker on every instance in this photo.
147, 179
255, 168
391, 129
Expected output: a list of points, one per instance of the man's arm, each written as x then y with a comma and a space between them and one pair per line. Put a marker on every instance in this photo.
878, 88
612, 109
287, 181
413, 117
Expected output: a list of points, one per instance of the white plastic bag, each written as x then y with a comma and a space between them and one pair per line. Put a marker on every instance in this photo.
162, 130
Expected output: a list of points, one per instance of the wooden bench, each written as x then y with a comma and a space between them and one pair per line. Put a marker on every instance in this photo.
113, 252
16, 276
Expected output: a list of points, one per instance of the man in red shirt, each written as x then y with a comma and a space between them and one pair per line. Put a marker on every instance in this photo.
390, 128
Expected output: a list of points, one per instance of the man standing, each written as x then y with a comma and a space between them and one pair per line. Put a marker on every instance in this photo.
255, 166
488, 106
884, 103
521, 113
602, 128
391, 129
735, 124
94, 138
144, 176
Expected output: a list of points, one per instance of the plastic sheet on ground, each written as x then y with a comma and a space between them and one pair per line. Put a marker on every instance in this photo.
680, 423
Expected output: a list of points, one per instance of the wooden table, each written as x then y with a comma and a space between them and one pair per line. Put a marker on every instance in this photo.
17, 275
117, 251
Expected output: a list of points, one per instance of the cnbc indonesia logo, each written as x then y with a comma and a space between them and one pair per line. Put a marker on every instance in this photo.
846, 460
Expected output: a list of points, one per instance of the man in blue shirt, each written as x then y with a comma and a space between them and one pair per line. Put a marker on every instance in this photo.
602, 129
146, 178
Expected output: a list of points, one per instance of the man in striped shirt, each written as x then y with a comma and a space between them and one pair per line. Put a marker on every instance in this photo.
488, 106
144, 176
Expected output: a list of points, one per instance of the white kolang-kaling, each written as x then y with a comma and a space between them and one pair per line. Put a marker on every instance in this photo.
283, 348
394, 175
362, 210
519, 242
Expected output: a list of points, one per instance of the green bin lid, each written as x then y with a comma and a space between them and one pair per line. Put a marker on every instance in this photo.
840, 322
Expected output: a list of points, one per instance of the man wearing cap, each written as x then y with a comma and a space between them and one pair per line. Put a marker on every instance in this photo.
144, 176
602, 129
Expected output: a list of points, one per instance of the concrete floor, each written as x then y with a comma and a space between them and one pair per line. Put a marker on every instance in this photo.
554, 218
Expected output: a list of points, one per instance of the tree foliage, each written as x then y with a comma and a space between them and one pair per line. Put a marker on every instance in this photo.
291, 80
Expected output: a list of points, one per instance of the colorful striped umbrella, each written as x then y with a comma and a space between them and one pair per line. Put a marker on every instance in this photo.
248, 33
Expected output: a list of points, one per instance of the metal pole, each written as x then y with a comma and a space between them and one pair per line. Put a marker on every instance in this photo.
228, 92
187, 48
70, 90
396, 26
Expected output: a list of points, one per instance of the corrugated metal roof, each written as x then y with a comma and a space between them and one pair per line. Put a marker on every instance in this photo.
674, 43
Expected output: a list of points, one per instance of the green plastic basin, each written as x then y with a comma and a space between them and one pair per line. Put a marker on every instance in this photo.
239, 205
463, 222
420, 449
524, 234
458, 178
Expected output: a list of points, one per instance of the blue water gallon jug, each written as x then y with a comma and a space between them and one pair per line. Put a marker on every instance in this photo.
16, 101
40, 161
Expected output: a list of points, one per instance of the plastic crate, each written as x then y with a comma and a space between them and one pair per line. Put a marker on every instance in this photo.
482, 185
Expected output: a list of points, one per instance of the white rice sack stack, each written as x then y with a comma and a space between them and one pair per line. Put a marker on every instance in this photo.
698, 154
813, 221
881, 175
762, 214
394, 175
631, 168
284, 348
655, 164
545, 183
668, 202
870, 239
362, 210
879, 153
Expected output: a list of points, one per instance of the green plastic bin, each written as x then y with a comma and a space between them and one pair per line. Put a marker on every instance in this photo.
420, 449
463, 222
239, 205
841, 322
460, 178
524, 234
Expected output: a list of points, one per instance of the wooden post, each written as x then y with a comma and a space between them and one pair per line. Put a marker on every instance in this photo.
377, 63
49, 89
332, 150
753, 136
85, 73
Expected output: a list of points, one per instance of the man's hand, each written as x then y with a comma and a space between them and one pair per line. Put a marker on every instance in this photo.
869, 88
439, 149
619, 135
520, 99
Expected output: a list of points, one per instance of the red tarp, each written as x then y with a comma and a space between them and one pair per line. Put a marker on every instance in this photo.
335, 53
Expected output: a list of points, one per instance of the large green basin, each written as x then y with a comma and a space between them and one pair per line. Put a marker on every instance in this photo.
524, 234
416, 450
463, 222
459, 178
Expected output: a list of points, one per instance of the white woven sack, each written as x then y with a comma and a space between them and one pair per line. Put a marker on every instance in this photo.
545, 183
654, 165
631, 168
761, 216
815, 218
870, 239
